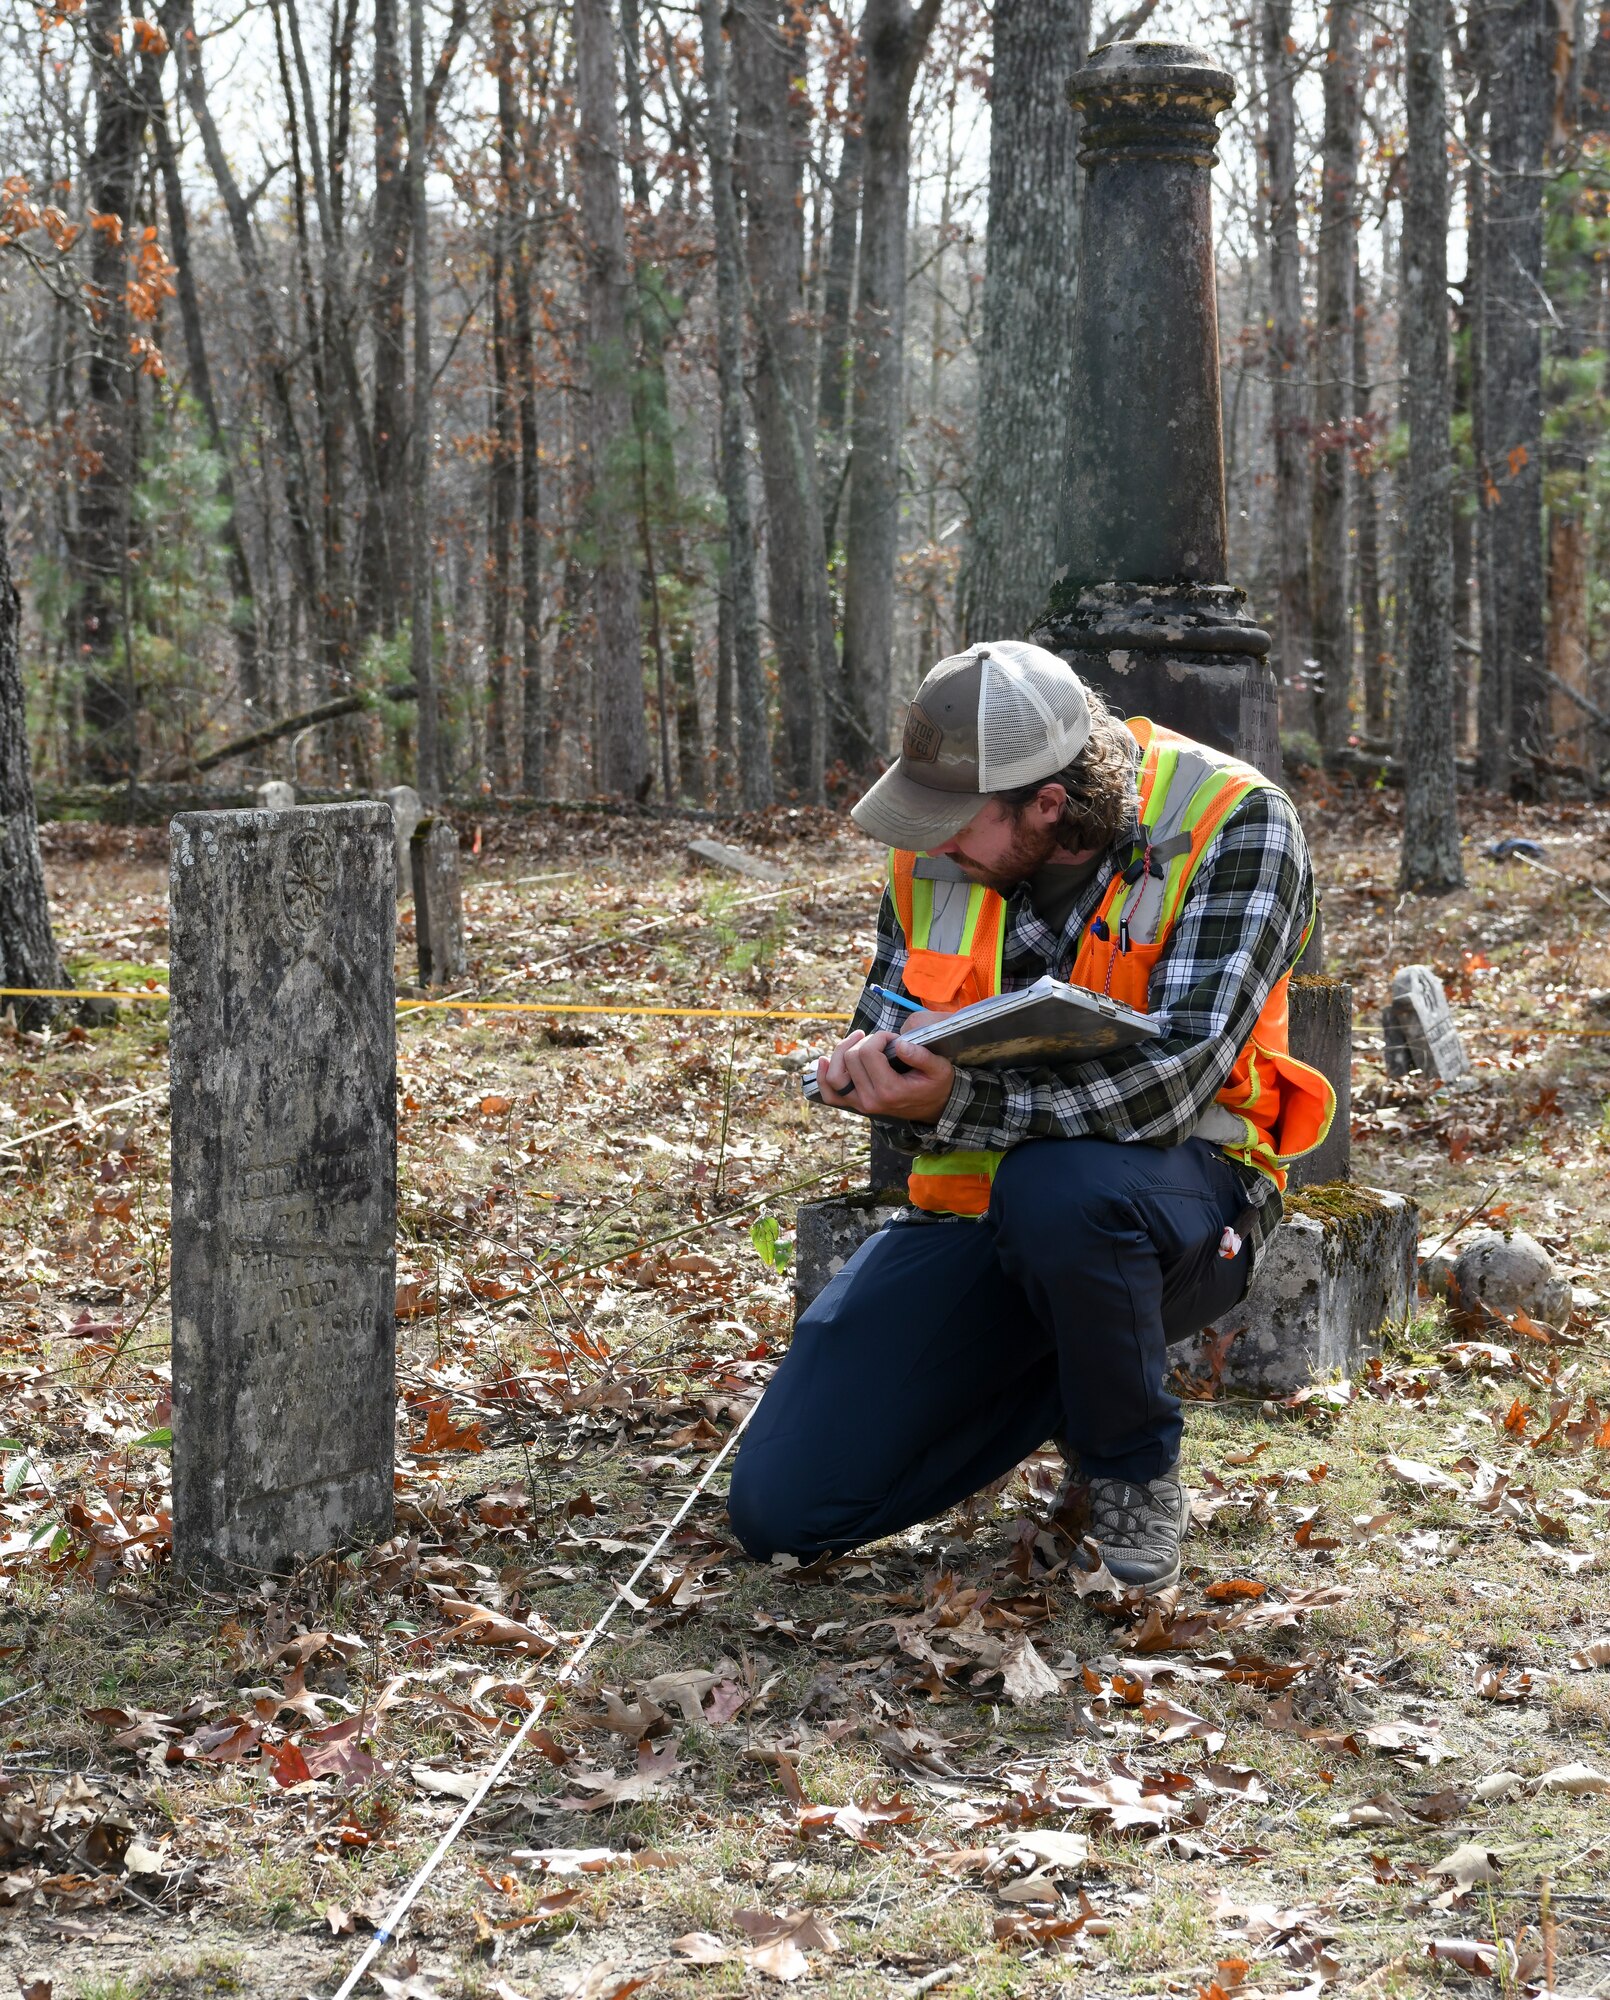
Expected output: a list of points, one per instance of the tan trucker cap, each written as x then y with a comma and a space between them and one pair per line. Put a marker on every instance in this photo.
1000, 715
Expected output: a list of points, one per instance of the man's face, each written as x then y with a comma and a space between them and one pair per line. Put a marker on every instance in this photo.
1001, 848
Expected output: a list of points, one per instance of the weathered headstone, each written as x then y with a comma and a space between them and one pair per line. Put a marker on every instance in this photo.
714, 854
276, 796
283, 1086
438, 902
407, 809
1418, 1026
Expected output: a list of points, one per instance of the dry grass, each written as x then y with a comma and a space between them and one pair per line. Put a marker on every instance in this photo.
613, 1134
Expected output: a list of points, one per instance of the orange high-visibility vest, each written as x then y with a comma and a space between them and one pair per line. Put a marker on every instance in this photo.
955, 933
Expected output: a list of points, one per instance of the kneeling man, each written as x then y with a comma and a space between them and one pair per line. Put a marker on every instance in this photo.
1067, 1222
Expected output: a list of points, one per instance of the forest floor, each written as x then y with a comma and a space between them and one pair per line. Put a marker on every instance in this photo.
1365, 1745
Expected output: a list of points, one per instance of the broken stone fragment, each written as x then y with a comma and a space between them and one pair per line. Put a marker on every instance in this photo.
715, 854
1512, 1274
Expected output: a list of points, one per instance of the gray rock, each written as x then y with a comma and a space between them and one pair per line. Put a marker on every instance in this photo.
1339, 1268
407, 809
283, 1087
733, 859
438, 903
276, 796
1418, 1027
1320, 1033
1512, 1274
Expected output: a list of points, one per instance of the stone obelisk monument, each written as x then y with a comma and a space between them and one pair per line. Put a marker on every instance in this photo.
1142, 606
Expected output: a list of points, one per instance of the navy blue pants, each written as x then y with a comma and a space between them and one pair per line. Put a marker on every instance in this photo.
947, 1350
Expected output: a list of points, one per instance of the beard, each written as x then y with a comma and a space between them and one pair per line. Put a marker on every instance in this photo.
1030, 849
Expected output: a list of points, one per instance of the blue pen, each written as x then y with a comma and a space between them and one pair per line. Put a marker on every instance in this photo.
899, 999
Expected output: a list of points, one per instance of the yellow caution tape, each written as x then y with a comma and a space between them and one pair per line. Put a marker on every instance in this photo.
476, 1006
676, 1013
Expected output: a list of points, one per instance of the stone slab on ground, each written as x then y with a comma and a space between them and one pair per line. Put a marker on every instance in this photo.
1337, 1270
1418, 1025
733, 859
283, 1086
1341, 1266
1320, 1033
407, 810
438, 903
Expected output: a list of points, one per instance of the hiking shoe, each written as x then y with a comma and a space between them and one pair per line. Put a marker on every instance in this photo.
1137, 1528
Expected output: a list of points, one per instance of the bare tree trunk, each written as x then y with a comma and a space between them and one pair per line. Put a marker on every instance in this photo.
1029, 276
267, 344
1371, 632
767, 57
28, 953
428, 770
533, 705
620, 751
1288, 362
1517, 50
1430, 859
386, 589
1577, 288
111, 749
1333, 362
385, 580
894, 36
838, 293
503, 484
244, 613
747, 683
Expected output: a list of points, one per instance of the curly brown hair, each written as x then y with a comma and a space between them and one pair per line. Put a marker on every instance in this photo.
1100, 784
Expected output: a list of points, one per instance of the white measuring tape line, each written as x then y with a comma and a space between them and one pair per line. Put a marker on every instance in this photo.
388, 1930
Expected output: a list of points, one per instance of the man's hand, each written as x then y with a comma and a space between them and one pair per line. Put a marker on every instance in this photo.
857, 1077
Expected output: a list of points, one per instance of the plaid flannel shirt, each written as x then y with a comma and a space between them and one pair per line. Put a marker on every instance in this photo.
1239, 928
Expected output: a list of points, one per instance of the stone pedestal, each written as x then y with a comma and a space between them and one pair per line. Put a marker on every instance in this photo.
438, 903
1340, 1269
284, 1182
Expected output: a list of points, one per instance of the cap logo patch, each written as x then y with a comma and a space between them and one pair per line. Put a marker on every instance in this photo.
922, 738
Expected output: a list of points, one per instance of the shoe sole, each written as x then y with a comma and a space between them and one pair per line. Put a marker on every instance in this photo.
1152, 1585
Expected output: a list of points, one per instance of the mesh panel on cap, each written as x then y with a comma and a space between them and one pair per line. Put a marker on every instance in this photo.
1032, 716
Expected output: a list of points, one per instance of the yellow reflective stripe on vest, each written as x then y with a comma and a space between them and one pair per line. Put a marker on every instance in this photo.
1204, 799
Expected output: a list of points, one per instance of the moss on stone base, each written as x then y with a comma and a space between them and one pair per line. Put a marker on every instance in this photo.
1343, 1209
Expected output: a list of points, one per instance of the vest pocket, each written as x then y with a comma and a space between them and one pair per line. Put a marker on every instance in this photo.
941, 980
